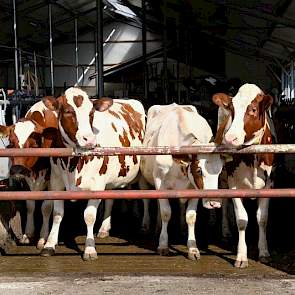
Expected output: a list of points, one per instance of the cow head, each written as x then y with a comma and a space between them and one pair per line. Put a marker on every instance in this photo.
74, 110
205, 170
23, 134
246, 114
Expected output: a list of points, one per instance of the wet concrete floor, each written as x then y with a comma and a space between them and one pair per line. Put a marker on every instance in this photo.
120, 257
133, 267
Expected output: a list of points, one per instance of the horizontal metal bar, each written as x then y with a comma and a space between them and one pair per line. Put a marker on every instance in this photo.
159, 150
146, 194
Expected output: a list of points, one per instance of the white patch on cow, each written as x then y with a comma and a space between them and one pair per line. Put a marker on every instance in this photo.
84, 135
246, 94
23, 130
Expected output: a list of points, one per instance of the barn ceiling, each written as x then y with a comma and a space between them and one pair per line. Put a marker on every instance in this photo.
255, 28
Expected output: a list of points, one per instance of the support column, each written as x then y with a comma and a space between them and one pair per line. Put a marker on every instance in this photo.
15, 48
165, 65
51, 48
76, 52
99, 48
143, 32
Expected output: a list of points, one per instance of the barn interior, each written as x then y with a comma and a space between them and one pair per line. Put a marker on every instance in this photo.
159, 52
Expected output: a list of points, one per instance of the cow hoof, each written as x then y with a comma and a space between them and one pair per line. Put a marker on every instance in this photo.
194, 254
144, 229
46, 252
163, 251
241, 264
40, 244
265, 259
103, 234
89, 256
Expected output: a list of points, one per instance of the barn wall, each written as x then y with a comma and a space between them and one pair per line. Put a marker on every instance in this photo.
114, 53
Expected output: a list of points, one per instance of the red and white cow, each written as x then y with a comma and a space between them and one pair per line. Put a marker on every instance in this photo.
86, 124
243, 119
175, 125
32, 132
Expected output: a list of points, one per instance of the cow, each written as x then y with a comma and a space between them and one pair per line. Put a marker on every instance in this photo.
85, 124
176, 125
243, 120
31, 132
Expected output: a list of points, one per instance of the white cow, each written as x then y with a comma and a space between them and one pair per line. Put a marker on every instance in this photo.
175, 125
243, 119
83, 123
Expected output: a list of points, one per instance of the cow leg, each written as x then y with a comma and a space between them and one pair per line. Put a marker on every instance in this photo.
46, 209
104, 230
262, 217
146, 222
183, 221
165, 210
89, 218
242, 221
30, 225
58, 213
191, 216
225, 228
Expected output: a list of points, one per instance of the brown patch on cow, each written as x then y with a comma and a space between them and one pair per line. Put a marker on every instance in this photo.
104, 166
78, 181
188, 109
51, 103
114, 127
197, 173
133, 119
68, 119
124, 139
220, 131
134, 158
181, 158
114, 114
123, 170
267, 159
103, 104
78, 100
37, 117
81, 161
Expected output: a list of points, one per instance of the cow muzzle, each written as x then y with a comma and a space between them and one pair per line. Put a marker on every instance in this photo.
19, 171
87, 141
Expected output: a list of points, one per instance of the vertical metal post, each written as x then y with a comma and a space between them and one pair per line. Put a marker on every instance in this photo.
177, 61
165, 70
15, 48
76, 52
99, 48
292, 80
143, 32
50, 48
36, 75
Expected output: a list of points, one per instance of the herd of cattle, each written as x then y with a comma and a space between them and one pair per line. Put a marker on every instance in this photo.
73, 120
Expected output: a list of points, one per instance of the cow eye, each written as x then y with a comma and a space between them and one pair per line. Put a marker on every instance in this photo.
199, 171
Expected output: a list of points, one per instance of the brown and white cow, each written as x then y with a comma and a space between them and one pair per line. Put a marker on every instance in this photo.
32, 132
83, 123
175, 125
243, 119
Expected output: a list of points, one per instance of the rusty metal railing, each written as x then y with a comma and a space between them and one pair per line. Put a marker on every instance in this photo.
160, 150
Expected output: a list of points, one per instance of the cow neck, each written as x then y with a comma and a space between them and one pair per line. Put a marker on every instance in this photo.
258, 135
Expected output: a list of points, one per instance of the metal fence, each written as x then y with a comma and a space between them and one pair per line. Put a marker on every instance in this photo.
147, 194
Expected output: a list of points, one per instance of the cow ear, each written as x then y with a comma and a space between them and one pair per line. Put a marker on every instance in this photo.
51, 103
5, 130
102, 104
266, 102
222, 100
